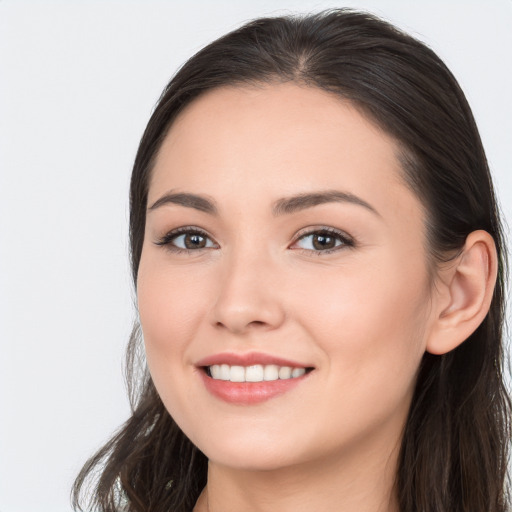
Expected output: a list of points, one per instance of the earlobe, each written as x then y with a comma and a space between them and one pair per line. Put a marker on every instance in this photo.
465, 293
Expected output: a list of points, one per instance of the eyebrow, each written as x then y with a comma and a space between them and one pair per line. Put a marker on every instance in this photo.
283, 206
302, 201
201, 203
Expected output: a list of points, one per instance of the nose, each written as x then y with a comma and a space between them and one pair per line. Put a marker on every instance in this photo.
248, 296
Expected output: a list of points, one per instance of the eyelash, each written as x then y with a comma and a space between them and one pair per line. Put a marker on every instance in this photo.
346, 240
166, 240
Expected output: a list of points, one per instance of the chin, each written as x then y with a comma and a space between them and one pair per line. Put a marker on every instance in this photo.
252, 460
250, 452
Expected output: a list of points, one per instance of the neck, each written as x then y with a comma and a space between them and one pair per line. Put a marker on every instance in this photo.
359, 482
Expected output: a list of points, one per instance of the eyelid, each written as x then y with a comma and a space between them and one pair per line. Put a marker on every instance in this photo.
166, 240
347, 240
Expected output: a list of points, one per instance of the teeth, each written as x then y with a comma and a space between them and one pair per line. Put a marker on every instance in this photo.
271, 372
297, 372
237, 374
224, 372
215, 371
254, 373
285, 372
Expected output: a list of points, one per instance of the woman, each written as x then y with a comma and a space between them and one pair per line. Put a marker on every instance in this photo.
319, 267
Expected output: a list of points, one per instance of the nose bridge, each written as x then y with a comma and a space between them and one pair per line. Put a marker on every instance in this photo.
246, 298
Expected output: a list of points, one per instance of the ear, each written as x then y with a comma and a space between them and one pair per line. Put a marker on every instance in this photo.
464, 291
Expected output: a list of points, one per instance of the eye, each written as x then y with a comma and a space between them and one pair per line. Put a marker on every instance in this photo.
186, 239
323, 241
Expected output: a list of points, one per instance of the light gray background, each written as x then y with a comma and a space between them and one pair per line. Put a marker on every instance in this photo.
78, 81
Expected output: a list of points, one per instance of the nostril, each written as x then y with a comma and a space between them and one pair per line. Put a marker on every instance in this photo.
254, 323
240, 314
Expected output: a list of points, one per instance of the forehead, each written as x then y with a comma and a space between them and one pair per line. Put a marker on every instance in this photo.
277, 140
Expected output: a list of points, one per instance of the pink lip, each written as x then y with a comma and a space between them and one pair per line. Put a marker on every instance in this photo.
248, 393
249, 359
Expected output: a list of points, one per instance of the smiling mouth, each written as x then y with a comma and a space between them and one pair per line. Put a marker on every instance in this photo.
254, 373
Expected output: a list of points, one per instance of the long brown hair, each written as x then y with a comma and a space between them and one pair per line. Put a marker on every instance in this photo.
454, 450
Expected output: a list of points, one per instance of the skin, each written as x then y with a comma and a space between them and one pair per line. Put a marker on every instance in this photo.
362, 315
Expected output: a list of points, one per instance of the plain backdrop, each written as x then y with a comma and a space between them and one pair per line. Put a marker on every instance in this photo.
78, 81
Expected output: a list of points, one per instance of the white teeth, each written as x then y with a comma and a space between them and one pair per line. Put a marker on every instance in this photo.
285, 372
297, 372
271, 372
254, 373
215, 371
224, 372
237, 374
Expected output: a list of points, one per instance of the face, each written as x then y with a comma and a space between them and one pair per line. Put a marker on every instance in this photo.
283, 288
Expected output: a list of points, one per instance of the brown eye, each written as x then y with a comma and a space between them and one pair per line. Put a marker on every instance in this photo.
321, 242
186, 239
190, 240
194, 241
324, 241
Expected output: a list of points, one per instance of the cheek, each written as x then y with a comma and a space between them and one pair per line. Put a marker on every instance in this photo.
371, 322
169, 308
372, 331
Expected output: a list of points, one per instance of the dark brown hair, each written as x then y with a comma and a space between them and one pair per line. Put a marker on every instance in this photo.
454, 451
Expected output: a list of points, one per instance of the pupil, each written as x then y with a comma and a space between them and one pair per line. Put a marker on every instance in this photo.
323, 242
194, 241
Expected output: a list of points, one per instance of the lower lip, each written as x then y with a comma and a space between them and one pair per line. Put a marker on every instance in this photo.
249, 393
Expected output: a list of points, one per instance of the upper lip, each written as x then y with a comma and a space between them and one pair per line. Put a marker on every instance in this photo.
249, 359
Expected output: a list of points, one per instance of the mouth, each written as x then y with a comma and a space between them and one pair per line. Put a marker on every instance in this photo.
247, 379
254, 373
